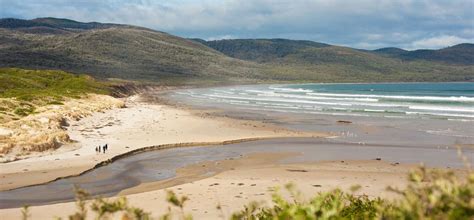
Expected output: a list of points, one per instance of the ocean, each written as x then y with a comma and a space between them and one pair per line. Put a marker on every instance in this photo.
449, 101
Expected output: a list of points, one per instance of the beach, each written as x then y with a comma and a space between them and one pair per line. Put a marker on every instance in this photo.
251, 178
217, 157
137, 126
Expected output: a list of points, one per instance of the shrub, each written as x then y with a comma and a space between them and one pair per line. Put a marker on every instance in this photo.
24, 110
430, 194
433, 195
55, 102
334, 204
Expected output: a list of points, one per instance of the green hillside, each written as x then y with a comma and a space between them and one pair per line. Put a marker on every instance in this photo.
393, 51
120, 52
135, 53
462, 54
261, 50
65, 24
301, 61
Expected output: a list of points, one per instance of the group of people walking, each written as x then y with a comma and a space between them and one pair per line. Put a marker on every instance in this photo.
103, 148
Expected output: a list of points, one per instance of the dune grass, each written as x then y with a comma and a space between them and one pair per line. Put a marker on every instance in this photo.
29, 85
21, 91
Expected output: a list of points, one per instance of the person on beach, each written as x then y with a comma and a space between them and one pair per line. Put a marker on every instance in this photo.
106, 146
98, 149
103, 148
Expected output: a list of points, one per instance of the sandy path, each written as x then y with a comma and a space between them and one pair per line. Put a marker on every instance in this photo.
139, 125
249, 179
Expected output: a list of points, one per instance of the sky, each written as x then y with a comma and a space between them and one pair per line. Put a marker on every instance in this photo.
365, 24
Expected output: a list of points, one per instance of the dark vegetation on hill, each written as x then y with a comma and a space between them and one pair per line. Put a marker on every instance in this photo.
264, 50
119, 52
305, 60
134, 53
261, 50
52, 23
393, 51
458, 54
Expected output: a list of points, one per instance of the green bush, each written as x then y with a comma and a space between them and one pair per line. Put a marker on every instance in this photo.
430, 194
24, 110
433, 195
334, 204
55, 102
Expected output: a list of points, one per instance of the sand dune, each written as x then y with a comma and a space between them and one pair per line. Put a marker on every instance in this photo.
45, 130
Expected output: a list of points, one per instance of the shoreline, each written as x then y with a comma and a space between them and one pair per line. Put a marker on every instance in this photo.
251, 178
148, 125
155, 170
13, 172
151, 148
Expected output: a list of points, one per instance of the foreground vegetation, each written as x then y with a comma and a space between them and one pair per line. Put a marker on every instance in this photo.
430, 194
21, 91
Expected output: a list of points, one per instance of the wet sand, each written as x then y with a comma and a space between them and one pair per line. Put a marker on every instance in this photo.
377, 128
161, 165
250, 178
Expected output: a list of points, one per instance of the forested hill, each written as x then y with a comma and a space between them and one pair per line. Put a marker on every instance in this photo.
137, 53
113, 51
458, 54
264, 50
335, 63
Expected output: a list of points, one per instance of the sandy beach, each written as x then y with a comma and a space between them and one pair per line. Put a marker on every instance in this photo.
138, 125
230, 183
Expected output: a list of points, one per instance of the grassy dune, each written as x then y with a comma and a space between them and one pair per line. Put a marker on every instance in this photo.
21, 91
36, 104
39, 84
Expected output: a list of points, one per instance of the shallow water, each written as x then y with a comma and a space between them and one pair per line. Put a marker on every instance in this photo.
162, 164
422, 114
452, 101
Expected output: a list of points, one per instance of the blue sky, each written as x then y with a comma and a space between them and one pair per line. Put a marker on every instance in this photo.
368, 24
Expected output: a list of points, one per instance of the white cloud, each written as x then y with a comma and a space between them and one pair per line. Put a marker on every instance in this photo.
221, 37
439, 42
